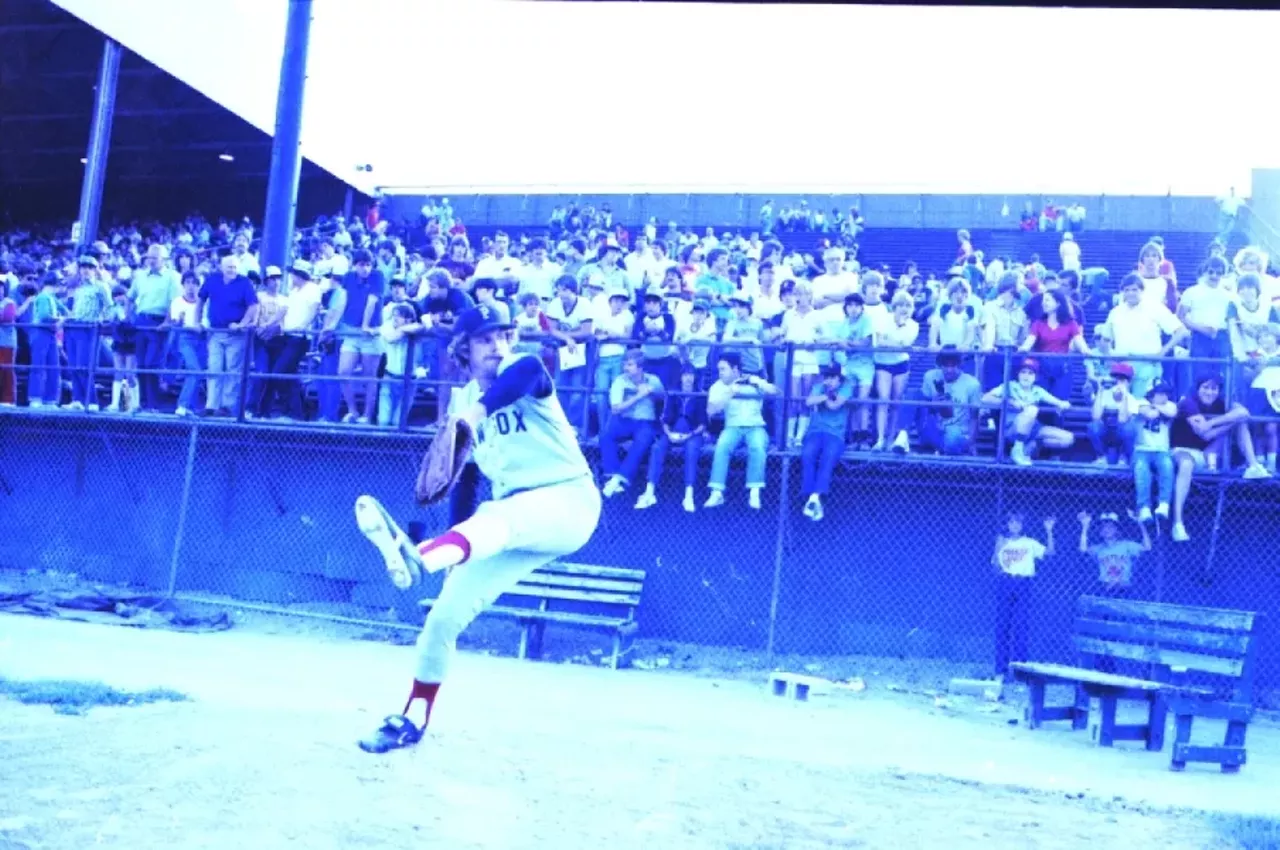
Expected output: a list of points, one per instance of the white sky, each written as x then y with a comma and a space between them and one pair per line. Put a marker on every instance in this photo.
497, 96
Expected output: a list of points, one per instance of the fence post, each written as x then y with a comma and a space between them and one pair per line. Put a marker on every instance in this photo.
784, 488
183, 505
781, 436
1211, 556
589, 387
246, 369
408, 388
1006, 358
95, 351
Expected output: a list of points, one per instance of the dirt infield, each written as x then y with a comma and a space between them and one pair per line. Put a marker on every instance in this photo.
537, 756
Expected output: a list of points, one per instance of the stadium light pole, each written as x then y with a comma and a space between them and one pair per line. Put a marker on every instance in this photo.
95, 164
286, 146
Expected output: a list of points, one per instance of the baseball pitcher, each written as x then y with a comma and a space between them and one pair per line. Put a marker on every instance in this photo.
507, 425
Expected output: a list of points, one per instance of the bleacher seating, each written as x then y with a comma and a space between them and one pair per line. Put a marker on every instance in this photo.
935, 250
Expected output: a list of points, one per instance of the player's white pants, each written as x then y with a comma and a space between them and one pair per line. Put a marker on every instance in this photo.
509, 539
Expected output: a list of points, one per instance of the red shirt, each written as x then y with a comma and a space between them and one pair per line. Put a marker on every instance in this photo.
1054, 341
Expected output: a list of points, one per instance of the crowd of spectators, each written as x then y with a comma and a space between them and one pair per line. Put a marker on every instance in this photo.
666, 340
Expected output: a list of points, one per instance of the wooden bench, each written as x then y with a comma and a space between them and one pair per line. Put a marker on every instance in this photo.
585, 596
1180, 659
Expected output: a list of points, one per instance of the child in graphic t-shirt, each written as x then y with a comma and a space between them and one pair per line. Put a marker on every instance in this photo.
1015, 559
1115, 555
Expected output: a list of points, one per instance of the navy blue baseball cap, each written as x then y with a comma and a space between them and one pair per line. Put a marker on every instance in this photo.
481, 319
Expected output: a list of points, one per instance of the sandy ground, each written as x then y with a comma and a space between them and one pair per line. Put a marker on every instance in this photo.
531, 755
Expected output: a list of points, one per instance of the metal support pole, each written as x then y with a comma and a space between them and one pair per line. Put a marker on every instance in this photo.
286, 147
184, 504
95, 168
348, 203
779, 554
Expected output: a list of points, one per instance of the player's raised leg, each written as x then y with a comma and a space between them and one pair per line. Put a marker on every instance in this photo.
513, 537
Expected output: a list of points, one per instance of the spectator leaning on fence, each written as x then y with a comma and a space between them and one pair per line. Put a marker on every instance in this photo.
740, 398
232, 306
1138, 329
634, 398
613, 323
655, 331
90, 308
824, 441
898, 331
683, 428
361, 346
267, 341
573, 320
182, 321
153, 290
8, 345
1004, 327
1203, 309
697, 338
397, 331
744, 333
856, 335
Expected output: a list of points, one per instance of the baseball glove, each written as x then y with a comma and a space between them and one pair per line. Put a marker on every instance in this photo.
442, 464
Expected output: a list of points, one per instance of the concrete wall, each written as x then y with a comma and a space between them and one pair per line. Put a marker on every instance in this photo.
899, 567
1144, 213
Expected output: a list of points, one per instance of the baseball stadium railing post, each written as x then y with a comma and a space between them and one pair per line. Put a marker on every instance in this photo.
1212, 555
95, 165
1007, 360
781, 436
784, 487
408, 383
183, 505
286, 146
246, 372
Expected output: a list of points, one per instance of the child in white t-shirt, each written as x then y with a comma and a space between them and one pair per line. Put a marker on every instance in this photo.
1015, 558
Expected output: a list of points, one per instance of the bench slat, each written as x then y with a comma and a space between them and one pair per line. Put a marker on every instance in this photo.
1162, 612
1166, 657
540, 579
564, 617
592, 570
517, 613
1211, 709
1082, 674
1145, 633
630, 599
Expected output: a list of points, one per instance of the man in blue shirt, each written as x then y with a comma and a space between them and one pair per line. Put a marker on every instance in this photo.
232, 305
361, 340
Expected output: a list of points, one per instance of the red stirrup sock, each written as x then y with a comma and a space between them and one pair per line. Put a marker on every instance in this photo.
447, 550
425, 691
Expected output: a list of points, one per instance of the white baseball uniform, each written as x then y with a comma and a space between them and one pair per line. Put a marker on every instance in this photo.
545, 505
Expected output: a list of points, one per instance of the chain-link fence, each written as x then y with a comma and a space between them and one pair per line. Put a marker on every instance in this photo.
898, 569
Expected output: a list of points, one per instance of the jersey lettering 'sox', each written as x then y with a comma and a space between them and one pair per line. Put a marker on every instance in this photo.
504, 423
